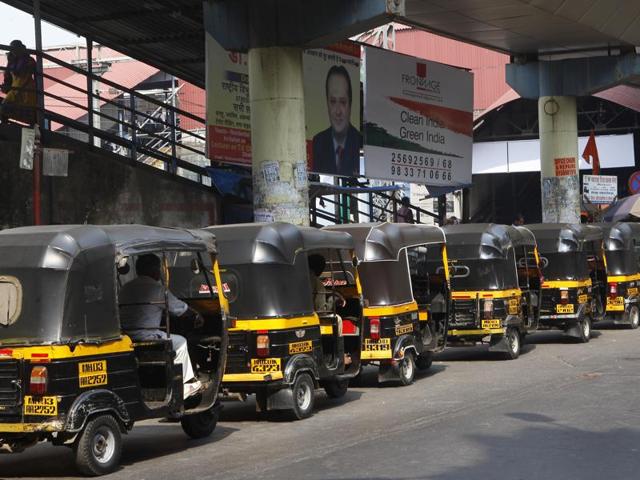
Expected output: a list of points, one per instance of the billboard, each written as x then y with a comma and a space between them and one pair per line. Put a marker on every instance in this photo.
332, 107
418, 120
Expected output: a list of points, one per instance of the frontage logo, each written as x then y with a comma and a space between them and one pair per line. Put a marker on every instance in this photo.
419, 81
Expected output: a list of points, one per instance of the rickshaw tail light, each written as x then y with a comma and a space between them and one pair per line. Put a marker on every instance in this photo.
39, 380
564, 297
374, 328
262, 345
487, 309
613, 290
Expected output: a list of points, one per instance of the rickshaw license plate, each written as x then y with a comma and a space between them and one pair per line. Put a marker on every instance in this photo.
301, 347
564, 308
583, 298
491, 324
377, 345
402, 329
265, 365
615, 301
92, 374
632, 291
44, 406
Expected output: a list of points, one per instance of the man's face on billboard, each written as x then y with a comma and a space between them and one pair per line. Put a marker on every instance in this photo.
338, 104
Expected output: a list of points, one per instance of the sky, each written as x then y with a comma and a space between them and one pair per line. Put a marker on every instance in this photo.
17, 24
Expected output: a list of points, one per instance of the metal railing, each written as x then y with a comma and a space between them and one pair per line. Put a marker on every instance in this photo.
353, 208
117, 123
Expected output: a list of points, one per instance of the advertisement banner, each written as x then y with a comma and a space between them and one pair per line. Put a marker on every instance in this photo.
228, 110
332, 107
418, 124
600, 189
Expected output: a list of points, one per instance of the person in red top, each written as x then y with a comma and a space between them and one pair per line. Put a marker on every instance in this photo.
19, 85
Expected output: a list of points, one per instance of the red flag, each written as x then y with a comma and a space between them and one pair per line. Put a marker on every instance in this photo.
591, 152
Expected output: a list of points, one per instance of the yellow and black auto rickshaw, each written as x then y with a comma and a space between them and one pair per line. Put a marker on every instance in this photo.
68, 374
622, 250
495, 282
404, 276
573, 265
295, 305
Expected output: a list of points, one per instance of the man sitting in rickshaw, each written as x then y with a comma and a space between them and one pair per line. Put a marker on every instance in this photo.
142, 303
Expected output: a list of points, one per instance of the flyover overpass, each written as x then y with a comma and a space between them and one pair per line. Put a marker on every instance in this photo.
560, 49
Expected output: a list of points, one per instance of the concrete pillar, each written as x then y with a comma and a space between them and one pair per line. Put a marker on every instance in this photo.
280, 187
560, 182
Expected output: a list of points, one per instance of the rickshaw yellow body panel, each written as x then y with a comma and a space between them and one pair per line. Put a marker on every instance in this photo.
386, 311
566, 283
44, 353
423, 316
623, 278
479, 331
275, 323
482, 294
252, 377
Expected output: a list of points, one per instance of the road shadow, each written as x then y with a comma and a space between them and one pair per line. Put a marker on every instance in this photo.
238, 411
369, 377
145, 442
477, 353
610, 325
557, 336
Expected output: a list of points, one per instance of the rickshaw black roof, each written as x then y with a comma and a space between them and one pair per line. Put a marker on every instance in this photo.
277, 242
126, 239
574, 232
377, 242
489, 234
623, 232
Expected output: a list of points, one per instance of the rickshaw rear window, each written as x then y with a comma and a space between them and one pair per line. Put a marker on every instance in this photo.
10, 300
564, 266
491, 271
386, 283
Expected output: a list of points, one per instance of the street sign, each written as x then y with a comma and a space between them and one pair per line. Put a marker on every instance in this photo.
634, 182
600, 189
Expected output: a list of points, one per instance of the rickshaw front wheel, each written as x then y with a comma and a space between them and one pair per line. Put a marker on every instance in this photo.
99, 446
634, 317
514, 343
585, 330
200, 425
424, 361
336, 388
303, 396
407, 368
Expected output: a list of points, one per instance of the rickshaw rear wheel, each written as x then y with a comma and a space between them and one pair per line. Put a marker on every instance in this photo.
585, 330
634, 317
99, 446
407, 368
424, 360
200, 425
303, 396
336, 388
514, 343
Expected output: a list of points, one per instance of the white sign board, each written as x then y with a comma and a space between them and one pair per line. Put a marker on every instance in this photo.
418, 120
600, 189
55, 162
27, 148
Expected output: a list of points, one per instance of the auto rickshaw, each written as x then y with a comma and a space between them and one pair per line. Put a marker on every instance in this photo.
495, 282
282, 343
573, 264
68, 374
622, 250
405, 302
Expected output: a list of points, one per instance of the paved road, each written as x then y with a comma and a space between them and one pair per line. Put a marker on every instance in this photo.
562, 411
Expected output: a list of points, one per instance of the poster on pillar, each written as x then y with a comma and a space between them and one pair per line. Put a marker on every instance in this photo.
228, 109
418, 120
334, 70
332, 109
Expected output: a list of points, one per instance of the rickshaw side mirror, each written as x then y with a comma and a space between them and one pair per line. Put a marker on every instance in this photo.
123, 266
195, 266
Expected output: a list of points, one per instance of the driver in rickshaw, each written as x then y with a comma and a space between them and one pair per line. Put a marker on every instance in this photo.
142, 303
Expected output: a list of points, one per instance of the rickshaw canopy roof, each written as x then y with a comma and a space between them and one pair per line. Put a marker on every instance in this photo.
278, 242
375, 242
551, 235
498, 237
620, 235
72, 240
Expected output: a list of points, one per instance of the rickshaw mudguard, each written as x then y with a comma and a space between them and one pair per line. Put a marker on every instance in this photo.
300, 363
96, 401
498, 343
406, 342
